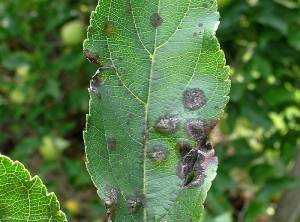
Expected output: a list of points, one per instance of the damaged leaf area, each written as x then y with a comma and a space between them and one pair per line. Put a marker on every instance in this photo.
160, 88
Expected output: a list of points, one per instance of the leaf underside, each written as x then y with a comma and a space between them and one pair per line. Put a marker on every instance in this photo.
161, 87
23, 198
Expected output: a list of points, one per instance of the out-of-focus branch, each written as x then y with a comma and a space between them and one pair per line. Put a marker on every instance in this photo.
288, 207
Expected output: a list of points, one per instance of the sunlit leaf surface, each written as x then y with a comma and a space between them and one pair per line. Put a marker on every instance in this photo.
23, 198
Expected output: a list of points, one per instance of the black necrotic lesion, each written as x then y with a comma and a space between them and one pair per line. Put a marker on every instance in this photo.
192, 163
195, 129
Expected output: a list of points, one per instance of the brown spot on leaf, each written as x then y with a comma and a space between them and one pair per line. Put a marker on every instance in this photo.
193, 99
109, 28
92, 57
155, 20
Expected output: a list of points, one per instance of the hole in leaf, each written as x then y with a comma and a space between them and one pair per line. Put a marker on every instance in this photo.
190, 178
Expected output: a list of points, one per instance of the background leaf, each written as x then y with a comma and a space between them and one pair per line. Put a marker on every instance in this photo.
23, 198
151, 111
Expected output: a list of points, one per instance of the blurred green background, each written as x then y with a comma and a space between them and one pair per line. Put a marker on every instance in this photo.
43, 102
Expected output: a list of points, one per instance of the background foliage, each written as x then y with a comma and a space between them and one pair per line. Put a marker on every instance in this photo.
43, 101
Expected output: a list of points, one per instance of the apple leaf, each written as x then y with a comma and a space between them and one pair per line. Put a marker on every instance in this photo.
23, 198
161, 87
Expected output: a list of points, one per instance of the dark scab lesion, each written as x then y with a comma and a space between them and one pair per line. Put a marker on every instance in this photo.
195, 128
167, 124
200, 25
198, 129
193, 99
186, 164
193, 161
111, 200
158, 153
111, 143
183, 148
155, 20
135, 202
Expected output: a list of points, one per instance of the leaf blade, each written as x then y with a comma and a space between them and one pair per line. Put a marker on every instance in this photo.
168, 78
34, 203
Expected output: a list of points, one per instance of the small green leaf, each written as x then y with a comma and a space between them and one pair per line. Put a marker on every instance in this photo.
23, 198
161, 88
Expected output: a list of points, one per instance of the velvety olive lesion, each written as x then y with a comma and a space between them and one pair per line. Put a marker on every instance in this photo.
111, 199
111, 143
158, 153
155, 20
167, 124
135, 202
109, 28
193, 99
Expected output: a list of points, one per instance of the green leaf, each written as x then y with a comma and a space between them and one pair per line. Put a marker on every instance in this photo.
161, 87
23, 198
